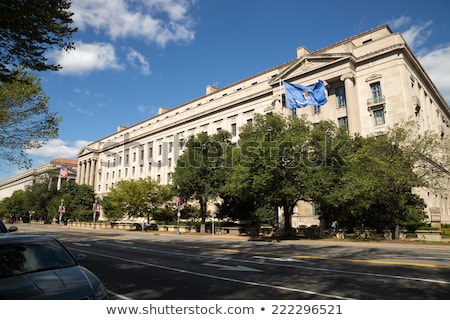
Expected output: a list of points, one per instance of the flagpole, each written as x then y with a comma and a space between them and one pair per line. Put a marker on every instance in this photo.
58, 186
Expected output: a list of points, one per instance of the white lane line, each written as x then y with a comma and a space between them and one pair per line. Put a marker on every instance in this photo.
250, 283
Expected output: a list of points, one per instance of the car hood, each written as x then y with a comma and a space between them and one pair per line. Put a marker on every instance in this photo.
72, 283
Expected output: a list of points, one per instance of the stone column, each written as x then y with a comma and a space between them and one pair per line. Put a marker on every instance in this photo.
92, 173
83, 172
87, 171
79, 171
353, 115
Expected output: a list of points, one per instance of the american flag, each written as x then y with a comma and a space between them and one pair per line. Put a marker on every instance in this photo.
63, 172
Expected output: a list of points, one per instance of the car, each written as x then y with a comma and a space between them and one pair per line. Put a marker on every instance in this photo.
36, 267
4, 230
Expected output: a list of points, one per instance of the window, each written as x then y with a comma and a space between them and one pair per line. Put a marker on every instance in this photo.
150, 152
294, 112
170, 146
376, 92
340, 97
250, 122
379, 116
343, 122
160, 149
316, 109
233, 130
142, 154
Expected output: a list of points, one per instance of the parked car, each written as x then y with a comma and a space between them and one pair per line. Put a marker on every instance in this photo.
4, 230
41, 267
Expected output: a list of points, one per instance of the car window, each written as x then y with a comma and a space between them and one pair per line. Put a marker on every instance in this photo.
3, 227
20, 258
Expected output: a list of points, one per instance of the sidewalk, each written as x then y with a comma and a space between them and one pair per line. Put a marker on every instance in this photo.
334, 241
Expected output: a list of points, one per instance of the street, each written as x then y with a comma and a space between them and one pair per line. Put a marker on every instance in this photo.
151, 265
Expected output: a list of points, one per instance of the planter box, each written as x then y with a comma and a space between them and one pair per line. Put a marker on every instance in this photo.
429, 235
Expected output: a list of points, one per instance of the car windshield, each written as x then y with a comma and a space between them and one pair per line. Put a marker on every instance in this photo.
20, 258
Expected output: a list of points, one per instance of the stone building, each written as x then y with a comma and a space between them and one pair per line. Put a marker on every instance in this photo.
51, 169
373, 81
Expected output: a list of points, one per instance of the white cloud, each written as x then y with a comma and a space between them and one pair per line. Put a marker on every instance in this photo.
134, 56
435, 60
157, 21
58, 148
88, 57
437, 65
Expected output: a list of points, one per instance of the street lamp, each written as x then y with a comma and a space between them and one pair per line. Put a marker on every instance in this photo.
95, 209
61, 210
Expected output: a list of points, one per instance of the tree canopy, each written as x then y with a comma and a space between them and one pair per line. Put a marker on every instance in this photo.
25, 120
203, 168
29, 29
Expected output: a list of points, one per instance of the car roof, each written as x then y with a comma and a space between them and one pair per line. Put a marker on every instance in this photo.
25, 238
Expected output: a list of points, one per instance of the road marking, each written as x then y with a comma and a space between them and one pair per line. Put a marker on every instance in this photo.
81, 244
250, 283
123, 242
231, 268
278, 259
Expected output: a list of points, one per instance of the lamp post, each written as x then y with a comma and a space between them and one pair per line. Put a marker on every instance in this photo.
178, 200
95, 209
61, 210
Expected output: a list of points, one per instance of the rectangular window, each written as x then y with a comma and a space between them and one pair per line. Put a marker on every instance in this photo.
343, 122
378, 116
316, 109
150, 153
170, 146
375, 88
160, 149
340, 97
233, 129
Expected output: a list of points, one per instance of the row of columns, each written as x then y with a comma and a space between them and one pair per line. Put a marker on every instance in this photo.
86, 172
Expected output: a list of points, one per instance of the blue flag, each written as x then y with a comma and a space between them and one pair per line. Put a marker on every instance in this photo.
298, 96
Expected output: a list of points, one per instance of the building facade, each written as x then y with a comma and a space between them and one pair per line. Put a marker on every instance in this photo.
28, 178
373, 81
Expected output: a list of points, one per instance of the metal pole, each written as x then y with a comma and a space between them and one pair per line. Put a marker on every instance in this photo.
94, 209
178, 220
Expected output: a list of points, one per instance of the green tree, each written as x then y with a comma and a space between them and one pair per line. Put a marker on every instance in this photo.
273, 164
29, 29
376, 187
14, 206
25, 120
136, 198
37, 197
78, 201
202, 169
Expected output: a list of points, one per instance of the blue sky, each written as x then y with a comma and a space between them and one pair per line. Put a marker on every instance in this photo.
133, 56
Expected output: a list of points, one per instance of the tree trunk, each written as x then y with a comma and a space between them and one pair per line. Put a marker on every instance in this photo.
287, 212
203, 215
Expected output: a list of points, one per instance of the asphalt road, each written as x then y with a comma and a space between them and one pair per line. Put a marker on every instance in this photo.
152, 266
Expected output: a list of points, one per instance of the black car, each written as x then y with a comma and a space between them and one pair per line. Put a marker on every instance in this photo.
41, 267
